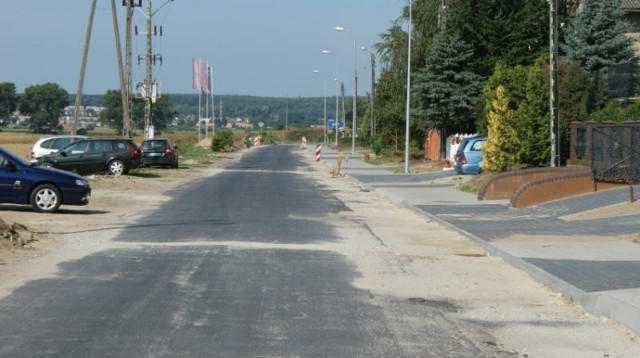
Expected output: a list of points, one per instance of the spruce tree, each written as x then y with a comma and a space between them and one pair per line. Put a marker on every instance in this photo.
446, 91
596, 37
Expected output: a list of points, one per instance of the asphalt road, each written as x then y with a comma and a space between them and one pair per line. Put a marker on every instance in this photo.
234, 265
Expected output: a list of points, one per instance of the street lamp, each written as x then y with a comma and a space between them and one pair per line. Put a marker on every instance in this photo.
355, 92
327, 52
324, 131
408, 105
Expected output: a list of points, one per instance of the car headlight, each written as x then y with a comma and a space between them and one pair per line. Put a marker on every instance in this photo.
80, 182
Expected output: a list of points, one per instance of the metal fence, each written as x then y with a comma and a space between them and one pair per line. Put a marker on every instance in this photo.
615, 153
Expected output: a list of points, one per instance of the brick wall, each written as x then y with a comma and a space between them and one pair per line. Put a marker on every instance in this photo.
432, 145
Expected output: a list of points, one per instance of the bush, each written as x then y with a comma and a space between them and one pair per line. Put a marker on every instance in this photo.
82, 131
222, 139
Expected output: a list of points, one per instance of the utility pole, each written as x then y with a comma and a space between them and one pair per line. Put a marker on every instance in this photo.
121, 76
553, 63
149, 86
373, 95
83, 65
148, 79
286, 114
127, 108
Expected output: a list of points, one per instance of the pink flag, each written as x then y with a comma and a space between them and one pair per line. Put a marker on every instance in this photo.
204, 77
195, 65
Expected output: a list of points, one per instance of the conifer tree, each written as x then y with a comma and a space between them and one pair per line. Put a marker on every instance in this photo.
503, 146
596, 37
446, 91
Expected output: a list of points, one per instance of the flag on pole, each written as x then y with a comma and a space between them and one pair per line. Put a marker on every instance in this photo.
195, 65
204, 77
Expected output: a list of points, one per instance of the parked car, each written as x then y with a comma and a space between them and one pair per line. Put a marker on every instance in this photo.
159, 151
48, 145
114, 156
45, 189
469, 155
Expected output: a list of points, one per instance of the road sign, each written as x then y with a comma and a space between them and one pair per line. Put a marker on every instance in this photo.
330, 125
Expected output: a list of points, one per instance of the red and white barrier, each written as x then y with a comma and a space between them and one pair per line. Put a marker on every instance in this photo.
303, 145
256, 141
318, 151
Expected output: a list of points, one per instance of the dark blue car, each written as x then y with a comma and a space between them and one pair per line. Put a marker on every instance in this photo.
45, 189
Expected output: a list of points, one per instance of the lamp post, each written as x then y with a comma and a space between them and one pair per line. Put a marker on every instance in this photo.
355, 92
327, 52
408, 105
324, 131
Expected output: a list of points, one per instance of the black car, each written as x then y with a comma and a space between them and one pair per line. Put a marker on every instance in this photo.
114, 156
45, 189
159, 151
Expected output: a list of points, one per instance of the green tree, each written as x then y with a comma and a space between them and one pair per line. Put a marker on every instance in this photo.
162, 114
44, 103
8, 100
596, 36
112, 113
503, 146
533, 117
513, 79
514, 32
446, 91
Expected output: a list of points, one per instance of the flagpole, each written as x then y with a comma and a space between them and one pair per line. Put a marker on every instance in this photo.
206, 109
199, 112
213, 105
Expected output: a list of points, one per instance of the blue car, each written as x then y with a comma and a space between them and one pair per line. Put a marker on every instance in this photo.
469, 155
45, 189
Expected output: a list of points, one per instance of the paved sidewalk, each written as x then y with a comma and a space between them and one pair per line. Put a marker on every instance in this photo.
578, 258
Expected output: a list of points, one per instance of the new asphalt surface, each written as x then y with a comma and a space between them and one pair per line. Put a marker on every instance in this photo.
585, 260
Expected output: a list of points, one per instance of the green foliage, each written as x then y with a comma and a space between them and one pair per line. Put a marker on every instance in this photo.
596, 36
513, 79
44, 103
533, 117
612, 112
222, 139
112, 113
82, 131
446, 90
502, 149
301, 112
574, 86
376, 146
161, 112
513, 32
8, 99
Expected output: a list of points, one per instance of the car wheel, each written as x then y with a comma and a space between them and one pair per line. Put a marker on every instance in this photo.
46, 198
116, 167
175, 165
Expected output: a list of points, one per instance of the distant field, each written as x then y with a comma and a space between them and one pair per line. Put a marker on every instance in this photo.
18, 143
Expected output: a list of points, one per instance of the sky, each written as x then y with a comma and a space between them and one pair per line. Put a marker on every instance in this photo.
255, 47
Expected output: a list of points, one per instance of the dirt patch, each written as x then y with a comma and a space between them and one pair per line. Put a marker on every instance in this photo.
115, 201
